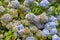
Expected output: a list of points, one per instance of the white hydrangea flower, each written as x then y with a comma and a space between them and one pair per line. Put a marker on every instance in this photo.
2, 9
26, 4
9, 25
7, 0
1, 36
18, 39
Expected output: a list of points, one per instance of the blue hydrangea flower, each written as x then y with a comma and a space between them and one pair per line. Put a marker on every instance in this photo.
52, 24
30, 1
28, 10
51, 9
20, 33
53, 31
45, 32
44, 3
30, 38
58, 18
20, 27
58, 38
47, 26
15, 4
55, 37
52, 19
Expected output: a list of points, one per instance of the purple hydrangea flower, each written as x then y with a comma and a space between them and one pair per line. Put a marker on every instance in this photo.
44, 3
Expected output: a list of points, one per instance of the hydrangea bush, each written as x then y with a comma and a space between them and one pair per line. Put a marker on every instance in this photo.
29, 19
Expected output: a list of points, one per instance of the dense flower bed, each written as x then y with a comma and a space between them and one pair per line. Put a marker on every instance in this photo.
29, 19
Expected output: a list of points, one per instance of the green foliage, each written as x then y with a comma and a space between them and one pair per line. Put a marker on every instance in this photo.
9, 35
37, 9
21, 1
58, 27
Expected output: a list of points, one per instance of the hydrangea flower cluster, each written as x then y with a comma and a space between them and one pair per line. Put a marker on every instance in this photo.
29, 20
15, 4
51, 9
44, 3
50, 24
2, 9
30, 38
6, 17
